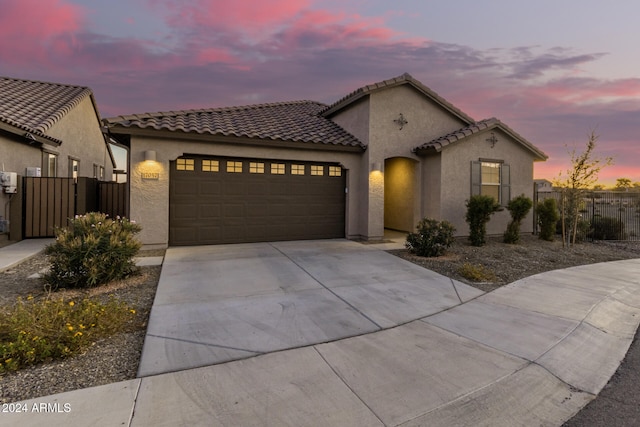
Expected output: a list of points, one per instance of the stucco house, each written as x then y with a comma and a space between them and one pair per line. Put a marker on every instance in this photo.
384, 156
50, 130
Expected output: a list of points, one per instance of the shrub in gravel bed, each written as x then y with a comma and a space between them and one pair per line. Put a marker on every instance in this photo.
94, 249
476, 273
479, 211
518, 207
40, 330
432, 239
548, 217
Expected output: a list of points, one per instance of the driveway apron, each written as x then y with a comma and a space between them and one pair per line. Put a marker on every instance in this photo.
220, 303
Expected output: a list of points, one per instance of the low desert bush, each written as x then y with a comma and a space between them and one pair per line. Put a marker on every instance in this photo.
432, 239
35, 331
479, 211
94, 249
476, 273
607, 228
518, 207
548, 217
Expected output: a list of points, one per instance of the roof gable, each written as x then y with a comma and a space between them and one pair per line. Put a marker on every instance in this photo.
34, 107
296, 121
438, 144
405, 79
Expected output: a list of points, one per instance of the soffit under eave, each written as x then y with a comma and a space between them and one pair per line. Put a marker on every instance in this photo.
28, 136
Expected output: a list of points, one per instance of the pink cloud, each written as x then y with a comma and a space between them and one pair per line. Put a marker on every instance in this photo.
37, 28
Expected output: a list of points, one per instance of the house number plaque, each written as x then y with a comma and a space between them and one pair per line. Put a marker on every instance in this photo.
150, 175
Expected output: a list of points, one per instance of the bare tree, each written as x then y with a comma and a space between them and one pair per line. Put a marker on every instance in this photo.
575, 183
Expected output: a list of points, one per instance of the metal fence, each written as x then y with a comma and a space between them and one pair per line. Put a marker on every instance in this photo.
606, 215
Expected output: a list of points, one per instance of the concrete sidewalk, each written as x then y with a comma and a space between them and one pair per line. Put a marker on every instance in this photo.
424, 351
15, 253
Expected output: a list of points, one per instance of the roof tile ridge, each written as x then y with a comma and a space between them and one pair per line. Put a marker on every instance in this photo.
65, 109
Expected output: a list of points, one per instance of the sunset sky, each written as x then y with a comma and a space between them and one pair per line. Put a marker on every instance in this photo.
553, 71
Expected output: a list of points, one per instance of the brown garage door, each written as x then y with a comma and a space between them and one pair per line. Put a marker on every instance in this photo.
215, 200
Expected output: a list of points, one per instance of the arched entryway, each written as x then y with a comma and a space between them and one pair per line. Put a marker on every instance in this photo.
400, 193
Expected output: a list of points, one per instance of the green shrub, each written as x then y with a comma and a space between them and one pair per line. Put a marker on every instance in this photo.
607, 228
35, 331
479, 211
92, 250
432, 239
518, 207
476, 273
548, 217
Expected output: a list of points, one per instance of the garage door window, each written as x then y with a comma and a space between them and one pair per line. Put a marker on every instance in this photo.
185, 164
277, 168
234, 167
317, 170
256, 167
335, 171
297, 169
210, 166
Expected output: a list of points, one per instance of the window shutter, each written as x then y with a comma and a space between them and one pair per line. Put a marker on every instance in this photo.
476, 176
505, 184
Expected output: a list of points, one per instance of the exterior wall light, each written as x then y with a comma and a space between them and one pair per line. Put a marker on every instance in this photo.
376, 167
150, 156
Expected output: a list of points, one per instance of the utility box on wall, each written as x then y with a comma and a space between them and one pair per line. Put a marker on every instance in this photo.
9, 182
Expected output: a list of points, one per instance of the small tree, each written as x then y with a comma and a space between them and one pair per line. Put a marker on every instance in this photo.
582, 175
518, 207
479, 211
548, 217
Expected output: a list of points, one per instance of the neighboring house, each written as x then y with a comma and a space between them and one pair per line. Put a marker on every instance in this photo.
384, 156
50, 130
543, 185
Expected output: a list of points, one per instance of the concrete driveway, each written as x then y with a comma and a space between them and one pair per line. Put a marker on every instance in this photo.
220, 303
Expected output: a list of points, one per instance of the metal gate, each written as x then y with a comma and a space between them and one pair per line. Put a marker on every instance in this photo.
48, 203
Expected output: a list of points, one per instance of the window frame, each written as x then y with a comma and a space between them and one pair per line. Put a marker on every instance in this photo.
504, 176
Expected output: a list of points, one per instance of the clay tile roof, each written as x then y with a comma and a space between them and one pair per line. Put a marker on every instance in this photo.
296, 121
406, 78
35, 106
438, 144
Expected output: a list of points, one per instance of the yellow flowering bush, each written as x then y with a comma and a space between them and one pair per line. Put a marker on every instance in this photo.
39, 330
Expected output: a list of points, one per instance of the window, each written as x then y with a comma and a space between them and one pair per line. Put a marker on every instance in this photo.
101, 175
74, 168
297, 169
335, 171
50, 164
185, 164
317, 170
234, 167
255, 167
95, 170
210, 166
491, 178
277, 168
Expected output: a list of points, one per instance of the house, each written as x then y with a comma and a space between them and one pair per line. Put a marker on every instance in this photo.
384, 156
543, 185
49, 130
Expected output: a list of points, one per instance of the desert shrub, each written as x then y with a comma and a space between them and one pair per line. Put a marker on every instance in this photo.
548, 217
34, 331
479, 211
432, 239
476, 273
518, 207
607, 228
94, 249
